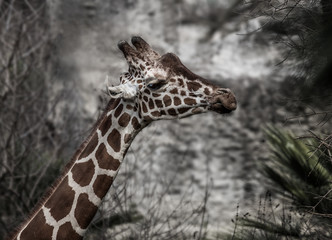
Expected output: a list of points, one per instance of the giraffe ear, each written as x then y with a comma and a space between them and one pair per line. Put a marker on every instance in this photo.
125, 91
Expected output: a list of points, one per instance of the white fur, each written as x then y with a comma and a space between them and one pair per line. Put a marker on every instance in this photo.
126, 91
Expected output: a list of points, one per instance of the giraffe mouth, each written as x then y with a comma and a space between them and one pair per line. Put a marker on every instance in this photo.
219, 108
223, 101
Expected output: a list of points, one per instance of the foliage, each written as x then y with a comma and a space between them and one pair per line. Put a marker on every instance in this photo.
300, 169
27, 110
304, 31
301, 172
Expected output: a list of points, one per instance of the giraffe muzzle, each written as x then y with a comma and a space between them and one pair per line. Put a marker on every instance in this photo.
223, 101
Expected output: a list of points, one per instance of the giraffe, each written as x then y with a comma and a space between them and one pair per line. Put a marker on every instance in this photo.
155, 87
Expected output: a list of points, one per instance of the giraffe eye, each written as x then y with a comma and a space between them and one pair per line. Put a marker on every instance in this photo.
156, 85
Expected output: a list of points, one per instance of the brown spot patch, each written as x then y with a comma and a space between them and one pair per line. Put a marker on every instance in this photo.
66, 231
114, 140
177, 101
141, 67
151, 104
174, 91
124, 120
172, 80
183, 93
113, 103
129, 107
148, 118
127, 138
167, 101
193, 86
172, 112
92, 144
85, 211
101, 185
37, 228
189, 101
105, 160
61, 201
105, 125
155, 94
118, 110
145, 109
147, 91
146, 99
135, 123
83, 172
207, 91
181, 83
156, 114
183, 110
159, 103
197, 110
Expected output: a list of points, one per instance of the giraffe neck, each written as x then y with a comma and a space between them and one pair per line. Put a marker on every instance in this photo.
73, 202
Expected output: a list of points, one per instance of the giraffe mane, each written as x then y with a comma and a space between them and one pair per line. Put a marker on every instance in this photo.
173, 62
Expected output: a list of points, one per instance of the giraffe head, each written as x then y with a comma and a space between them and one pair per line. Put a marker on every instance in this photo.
161, 87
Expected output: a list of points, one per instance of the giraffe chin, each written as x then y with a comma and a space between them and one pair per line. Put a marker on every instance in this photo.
219, 108
197, 110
